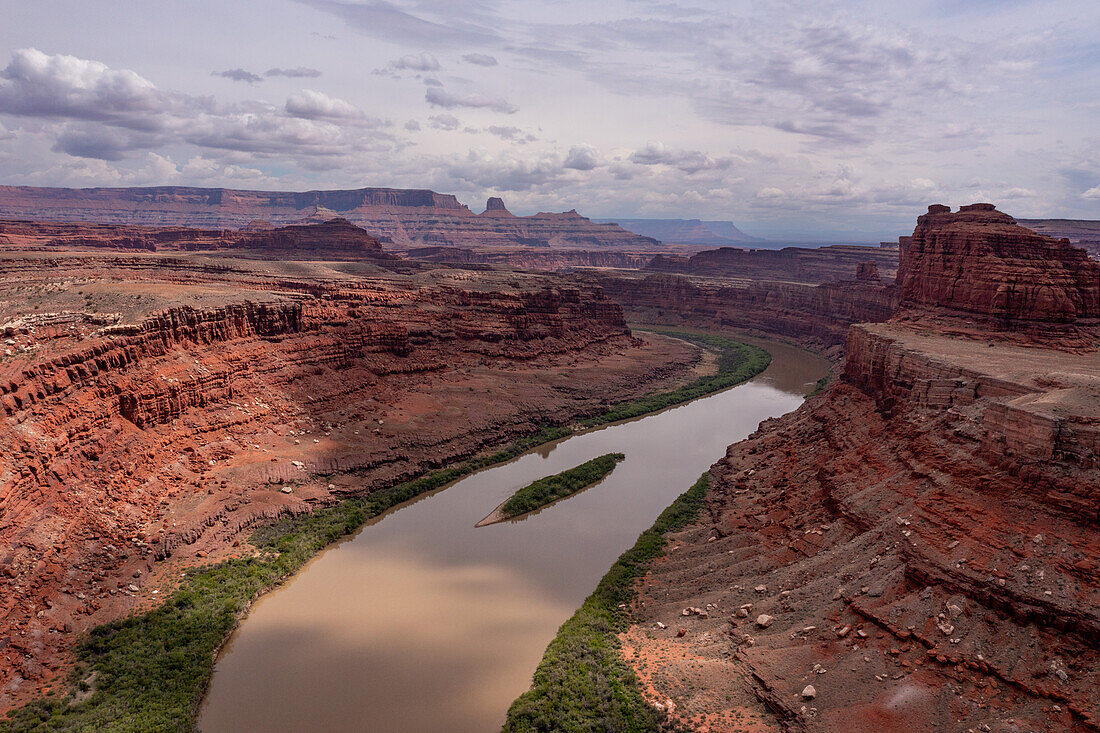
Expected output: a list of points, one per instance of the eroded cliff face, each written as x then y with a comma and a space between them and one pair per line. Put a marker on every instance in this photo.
813, 265
918, 546
815, 315
399, 217
156, 408
334, 238
978, 261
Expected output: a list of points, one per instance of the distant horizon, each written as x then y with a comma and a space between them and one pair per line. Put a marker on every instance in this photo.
838, 120
769, 234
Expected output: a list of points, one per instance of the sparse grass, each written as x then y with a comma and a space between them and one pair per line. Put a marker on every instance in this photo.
582, 684
737, 362
151, 670
546, 490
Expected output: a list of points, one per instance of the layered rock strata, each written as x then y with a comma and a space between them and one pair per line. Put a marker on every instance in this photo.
917, 548
816, 315
155, 408
980, 262
334, 238
398, 217
790, 264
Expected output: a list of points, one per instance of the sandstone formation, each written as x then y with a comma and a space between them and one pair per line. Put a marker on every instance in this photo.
1083, 233
792, 264
398, 217
923, 537
814, 315
154, 406
978, 261
335, 238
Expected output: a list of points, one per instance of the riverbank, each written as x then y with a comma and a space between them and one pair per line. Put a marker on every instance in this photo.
151, 670
582, 683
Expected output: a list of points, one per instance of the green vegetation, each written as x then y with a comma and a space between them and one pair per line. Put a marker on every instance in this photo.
551, 488
149, 672
582, 684
819, 387
737, 362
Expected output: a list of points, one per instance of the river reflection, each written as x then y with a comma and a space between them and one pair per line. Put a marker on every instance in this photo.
422, 622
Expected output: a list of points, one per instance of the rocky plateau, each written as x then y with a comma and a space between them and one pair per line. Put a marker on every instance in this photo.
917, 548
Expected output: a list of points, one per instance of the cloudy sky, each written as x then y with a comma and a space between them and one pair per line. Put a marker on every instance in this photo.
793, 119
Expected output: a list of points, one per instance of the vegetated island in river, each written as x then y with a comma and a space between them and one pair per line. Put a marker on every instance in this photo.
549, 489
149, 671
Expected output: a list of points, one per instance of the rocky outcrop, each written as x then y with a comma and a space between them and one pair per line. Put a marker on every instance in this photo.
399, 218
867, 271
979, 262
792, 264
922, 538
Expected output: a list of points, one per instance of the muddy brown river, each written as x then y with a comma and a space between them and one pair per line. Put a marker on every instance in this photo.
422, 622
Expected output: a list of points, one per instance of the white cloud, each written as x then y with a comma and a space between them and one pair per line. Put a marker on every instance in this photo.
36, 84
439, 97
416, 62
318, 105
444, 122
582, 158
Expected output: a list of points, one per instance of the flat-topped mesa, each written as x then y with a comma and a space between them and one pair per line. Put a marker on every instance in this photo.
979, 262
334, 235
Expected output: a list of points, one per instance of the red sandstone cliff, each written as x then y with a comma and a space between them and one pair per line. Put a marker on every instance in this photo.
793, 264
398, 217
917, 548
154, 406
817, 315
978, 261
337, 238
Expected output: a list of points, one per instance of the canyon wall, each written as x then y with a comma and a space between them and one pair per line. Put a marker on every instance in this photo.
156, 407
817, 315
916, 548
401, 218
337, 238
554, 260
793, 264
